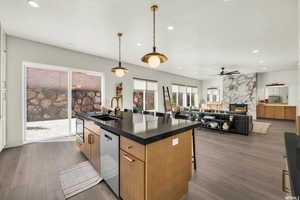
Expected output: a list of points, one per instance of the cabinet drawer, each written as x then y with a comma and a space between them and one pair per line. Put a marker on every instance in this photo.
133, 148
92, 126
132, 177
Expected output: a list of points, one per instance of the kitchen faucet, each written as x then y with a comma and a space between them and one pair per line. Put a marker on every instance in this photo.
117, 109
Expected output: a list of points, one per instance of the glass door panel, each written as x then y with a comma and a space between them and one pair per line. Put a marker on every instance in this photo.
86, 95
46, 101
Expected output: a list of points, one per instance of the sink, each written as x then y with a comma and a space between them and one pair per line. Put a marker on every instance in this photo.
105, 117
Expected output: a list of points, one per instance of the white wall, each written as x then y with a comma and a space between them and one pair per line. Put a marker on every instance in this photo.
298, 91
289, 78
298, 100
20, 50
212, 83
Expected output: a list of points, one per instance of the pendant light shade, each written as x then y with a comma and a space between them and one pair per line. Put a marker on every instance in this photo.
154, 58
119, 71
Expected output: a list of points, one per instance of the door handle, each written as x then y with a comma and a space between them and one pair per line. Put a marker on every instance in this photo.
127, 158
90, 139
108, 137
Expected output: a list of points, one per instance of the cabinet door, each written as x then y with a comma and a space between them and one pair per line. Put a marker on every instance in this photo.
132, 177
85, 147
95, 151
269, 112
279, 112
290, 113
260, 111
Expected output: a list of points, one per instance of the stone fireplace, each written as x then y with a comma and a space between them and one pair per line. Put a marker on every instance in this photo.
238, 107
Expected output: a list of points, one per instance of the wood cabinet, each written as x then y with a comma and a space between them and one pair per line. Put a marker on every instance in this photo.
90, 147
298, 126
269, 112
290, 113
260, 111
159, 170
132, 180
95, 151
133, 148
276, 112
85, 148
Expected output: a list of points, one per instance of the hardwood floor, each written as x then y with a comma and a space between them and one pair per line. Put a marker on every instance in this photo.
229, 167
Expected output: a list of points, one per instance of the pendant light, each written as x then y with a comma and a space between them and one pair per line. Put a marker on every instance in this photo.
119, 71
154, 58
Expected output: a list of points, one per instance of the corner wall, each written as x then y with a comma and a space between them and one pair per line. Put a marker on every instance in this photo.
20, 50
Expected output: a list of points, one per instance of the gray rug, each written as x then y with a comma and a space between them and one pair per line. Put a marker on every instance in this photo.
78, 178
261, 127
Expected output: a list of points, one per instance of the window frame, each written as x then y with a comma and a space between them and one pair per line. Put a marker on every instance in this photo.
184, 100
147, 81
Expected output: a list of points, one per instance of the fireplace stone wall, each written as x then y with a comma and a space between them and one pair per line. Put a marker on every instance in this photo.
240, 89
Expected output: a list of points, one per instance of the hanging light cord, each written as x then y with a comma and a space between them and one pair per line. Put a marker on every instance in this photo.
154, 47
119, 34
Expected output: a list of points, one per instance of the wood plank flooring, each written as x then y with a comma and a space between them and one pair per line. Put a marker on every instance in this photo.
229, 167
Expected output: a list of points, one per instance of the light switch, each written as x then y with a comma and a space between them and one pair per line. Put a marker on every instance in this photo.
175, 141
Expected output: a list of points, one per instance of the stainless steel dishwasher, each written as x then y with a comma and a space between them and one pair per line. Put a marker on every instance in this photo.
110, 160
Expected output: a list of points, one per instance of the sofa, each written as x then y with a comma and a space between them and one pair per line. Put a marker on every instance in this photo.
236, 123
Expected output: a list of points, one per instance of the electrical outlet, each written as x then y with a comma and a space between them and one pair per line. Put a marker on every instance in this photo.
175, 141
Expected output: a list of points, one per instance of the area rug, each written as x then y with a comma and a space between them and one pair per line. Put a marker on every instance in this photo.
78, 178
261, 127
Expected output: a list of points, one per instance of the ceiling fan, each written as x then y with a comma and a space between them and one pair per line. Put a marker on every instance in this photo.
223, 72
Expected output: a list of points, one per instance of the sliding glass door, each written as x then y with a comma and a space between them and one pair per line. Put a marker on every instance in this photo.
53, 96
86, 94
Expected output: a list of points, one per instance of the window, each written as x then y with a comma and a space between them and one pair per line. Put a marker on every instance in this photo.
174, 94
185, 96
144, 94
213, 95
195, 98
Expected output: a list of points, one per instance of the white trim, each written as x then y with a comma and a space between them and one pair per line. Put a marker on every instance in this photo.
24, 99
69, 70
70, 102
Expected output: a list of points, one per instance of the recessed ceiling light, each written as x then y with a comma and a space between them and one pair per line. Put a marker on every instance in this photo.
33, 3
179, 67
139, 44
265, 68
227, 0
255, 51
261, 62
170, 28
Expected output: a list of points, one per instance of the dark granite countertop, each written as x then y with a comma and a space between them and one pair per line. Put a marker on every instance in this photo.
141, 128
292, 145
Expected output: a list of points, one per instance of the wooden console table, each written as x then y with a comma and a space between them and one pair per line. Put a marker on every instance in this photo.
276, 112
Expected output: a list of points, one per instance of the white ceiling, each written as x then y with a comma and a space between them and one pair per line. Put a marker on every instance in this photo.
207, 34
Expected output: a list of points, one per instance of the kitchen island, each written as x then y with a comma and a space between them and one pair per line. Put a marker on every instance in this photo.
151, 157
